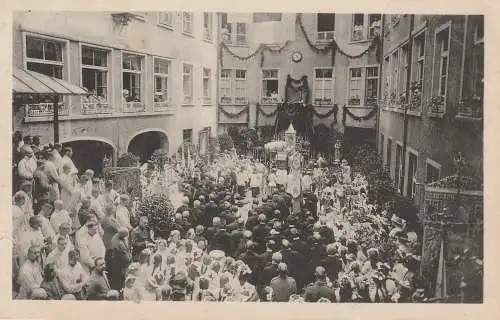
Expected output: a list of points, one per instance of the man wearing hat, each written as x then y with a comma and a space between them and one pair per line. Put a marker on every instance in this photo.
319, 289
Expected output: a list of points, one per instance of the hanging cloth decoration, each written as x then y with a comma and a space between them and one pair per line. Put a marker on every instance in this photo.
297, 114
367, 116
296, 91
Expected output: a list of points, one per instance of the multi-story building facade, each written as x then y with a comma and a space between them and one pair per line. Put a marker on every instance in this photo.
439, 60
297, 41
151, 77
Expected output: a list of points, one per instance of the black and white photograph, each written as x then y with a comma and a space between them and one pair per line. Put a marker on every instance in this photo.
295, 157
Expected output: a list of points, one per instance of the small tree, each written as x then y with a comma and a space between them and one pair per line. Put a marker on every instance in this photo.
128, 160
159, 210
160, 157
225, 142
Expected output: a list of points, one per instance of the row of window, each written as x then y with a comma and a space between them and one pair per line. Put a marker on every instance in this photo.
46, 56
396, 68
406, 184
363, 86
363, 26
168, 19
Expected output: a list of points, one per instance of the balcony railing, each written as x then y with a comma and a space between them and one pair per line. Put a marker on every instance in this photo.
207, 34
323, 102
159, 106
234, 39
471, 108
96, 108
46, 109
325, 36
133, 106
240, 100
436, 106
269, 100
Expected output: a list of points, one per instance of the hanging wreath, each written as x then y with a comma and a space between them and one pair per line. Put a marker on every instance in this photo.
234, 115
367, 116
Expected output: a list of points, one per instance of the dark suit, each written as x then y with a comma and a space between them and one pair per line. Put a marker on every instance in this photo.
317, 290
97, 287
332, 265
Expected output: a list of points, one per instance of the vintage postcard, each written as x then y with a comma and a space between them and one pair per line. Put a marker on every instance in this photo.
199, 155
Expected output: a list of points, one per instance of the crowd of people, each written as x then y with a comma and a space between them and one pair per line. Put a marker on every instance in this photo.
234, 236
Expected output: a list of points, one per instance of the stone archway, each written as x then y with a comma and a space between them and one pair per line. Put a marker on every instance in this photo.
144, 143
90, 153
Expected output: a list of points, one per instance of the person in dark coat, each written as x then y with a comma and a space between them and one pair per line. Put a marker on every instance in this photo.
319, 289
260, 233
270, 271
237, 236
139, 237
221, 241
331, 263
121, 257
251, 259
295, 261
252, 220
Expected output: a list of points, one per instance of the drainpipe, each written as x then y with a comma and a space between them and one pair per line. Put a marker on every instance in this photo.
380, 70
218, 70
56, 118
408, 97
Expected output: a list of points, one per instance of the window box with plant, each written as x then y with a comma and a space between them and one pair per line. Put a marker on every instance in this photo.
323, 101
471, 107
436, 105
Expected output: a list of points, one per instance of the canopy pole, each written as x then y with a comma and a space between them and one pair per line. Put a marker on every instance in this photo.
56, 118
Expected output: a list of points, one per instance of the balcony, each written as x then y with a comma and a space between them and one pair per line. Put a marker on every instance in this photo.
325, 36
240, 100
471, 108
96, 108
323, 102
160, 106
45, 109
133, 106
269, 100
234, 39
207, 34
436, 107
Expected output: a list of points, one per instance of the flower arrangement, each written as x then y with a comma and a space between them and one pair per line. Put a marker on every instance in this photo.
437, 104
471, 106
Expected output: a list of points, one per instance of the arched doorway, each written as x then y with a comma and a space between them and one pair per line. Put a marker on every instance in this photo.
91, 154
145, 143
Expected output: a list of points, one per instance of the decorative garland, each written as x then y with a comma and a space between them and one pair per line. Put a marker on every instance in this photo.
234, 115
272, 114
333, 46
333, 111
368, 116
260, 49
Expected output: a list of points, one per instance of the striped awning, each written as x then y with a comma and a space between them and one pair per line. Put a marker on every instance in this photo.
24, 81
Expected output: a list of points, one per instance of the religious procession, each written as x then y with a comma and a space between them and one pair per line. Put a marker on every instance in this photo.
238, 229
303, 157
